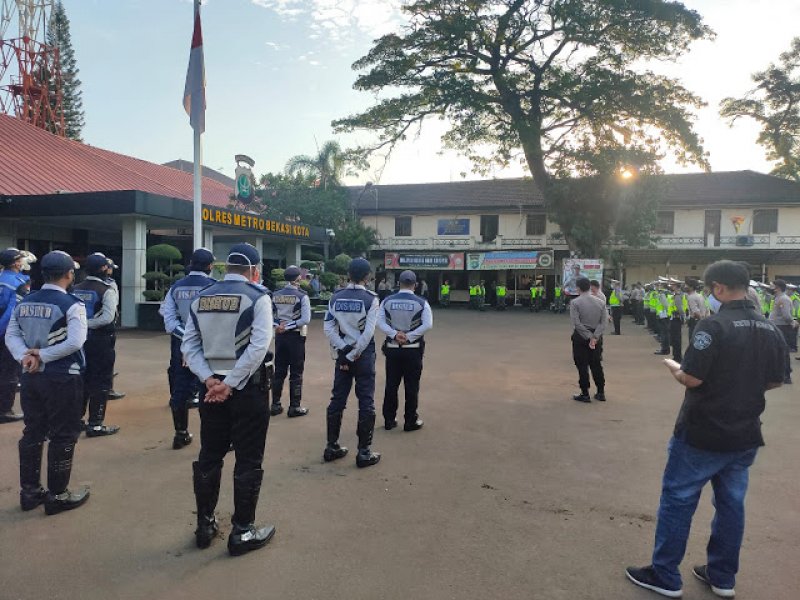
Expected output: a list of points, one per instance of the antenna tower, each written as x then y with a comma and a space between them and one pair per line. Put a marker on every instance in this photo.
30, 71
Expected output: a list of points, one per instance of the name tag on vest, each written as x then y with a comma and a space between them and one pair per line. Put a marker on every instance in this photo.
348, 306
224, 304
399, 305
36, 311
284, 299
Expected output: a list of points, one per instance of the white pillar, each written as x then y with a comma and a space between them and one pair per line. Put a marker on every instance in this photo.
294, 253
208, 239
134, 264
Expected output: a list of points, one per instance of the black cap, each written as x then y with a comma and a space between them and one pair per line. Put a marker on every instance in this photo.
202, 258
408, 277
291, 273
358, 269
58, 261
96, 261
244, 255
9, 256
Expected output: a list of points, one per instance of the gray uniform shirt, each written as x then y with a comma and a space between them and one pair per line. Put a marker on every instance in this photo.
588, 314
781, 313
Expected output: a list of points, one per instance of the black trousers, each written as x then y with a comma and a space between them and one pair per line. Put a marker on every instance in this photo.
788, 332
182, 382
587, 359
616, 316
363, 373
663, 334
100, 356
10, 371
676, 339
243, 419
402, 365
290, 359
52, 404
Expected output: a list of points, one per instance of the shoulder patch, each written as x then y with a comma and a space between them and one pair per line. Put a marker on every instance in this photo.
225, 304
702, 340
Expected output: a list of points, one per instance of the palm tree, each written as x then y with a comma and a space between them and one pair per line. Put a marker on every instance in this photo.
328, 164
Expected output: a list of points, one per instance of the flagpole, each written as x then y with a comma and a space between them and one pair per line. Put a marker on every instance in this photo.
197, 222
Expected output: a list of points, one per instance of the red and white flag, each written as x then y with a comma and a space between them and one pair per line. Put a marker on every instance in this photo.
194, 94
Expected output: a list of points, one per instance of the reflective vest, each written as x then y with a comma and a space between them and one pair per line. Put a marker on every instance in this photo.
445, 289
473, 290
534, 292
501, 291
685, 305
558, 291
671, 307
481, 290
613, 300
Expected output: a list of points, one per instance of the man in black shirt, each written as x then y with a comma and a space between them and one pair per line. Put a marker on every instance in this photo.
735, 356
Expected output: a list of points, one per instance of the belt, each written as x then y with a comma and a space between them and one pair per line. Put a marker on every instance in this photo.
396, 345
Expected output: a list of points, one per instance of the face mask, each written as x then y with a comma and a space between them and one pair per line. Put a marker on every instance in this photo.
714, 303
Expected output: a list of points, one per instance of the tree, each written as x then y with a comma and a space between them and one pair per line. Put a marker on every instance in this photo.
775, 104
328, 165
58, 36
553, 83
355, 238
295, 198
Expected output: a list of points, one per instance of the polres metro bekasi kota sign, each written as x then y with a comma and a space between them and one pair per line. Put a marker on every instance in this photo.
255, 223
498, 261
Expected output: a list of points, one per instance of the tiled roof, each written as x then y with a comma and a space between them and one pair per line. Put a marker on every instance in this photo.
725, 188
35, 162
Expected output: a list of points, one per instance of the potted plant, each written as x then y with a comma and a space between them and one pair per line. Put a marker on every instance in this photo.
165, 271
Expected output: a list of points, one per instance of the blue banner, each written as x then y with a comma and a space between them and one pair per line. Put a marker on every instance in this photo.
453, 227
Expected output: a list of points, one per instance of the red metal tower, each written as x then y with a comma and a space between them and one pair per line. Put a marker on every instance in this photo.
30, 71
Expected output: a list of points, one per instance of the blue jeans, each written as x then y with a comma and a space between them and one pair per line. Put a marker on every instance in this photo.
687, 472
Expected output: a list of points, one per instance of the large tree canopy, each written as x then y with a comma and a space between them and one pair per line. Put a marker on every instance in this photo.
554, 83
775, 105
328, 164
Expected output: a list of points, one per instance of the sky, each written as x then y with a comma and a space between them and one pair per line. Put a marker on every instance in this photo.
279, 71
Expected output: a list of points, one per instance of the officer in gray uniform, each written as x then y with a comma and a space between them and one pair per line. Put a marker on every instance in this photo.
404, 318
350, 326
226, 340
101, 299
45, 335
175, 310
589, 317
292, 315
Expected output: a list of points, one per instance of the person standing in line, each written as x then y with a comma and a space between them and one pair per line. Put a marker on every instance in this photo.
46, 334
101, 299
500, 296
424, 289
383, 289
225, 343
175, 311
662, 316
734, 358
615, 302
111, 267
481, 295
589, 316
404, 318
350, 328
677, 316
782, 317
13, 287
444, 294
292, 316
697, 306
791, 291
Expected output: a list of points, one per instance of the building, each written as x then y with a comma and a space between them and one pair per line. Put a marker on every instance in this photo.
497, 230
59, 194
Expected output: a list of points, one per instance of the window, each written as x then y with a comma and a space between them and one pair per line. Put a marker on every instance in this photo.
665, 223
536, 224
402, 226
490, 225
765, 221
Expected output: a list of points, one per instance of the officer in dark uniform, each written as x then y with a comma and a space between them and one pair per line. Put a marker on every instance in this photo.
13, 287
101, 299
350, 327
404, 318
735, 356
45, 335
111, 267
292, 310
175, 310
226, 341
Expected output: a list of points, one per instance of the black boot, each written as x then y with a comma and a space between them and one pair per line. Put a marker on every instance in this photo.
180, 419
31, 493
295, 394
59, 468
333, 450
276, 407
206, 494
366, 457
97, 412
245, 536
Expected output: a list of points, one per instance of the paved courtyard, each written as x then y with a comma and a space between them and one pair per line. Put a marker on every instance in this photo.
512, 490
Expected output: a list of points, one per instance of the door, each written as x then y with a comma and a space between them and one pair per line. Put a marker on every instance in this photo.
712, 228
